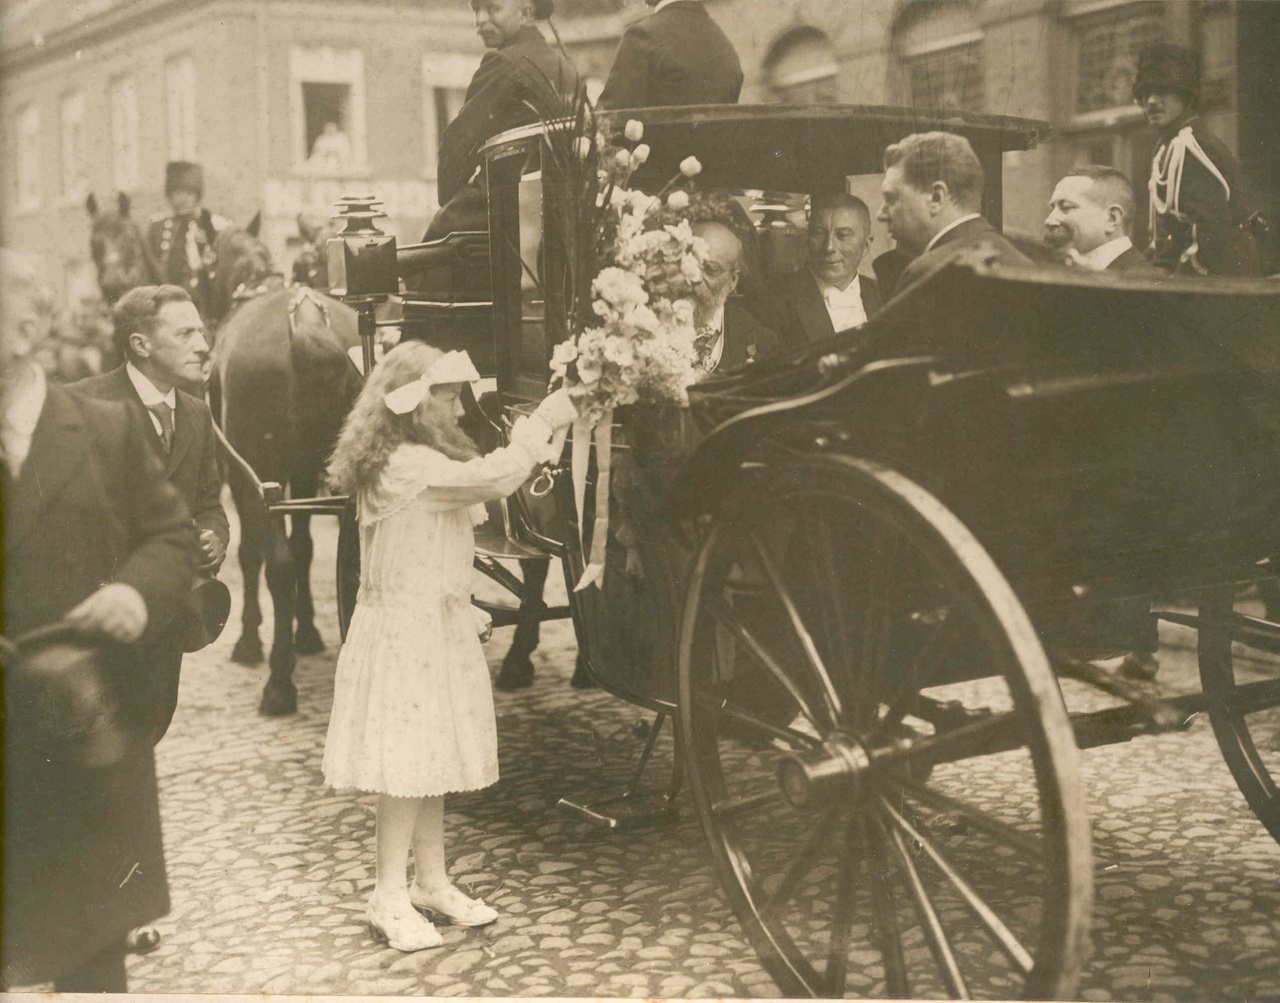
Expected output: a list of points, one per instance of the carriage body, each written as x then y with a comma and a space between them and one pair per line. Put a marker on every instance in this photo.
856, 572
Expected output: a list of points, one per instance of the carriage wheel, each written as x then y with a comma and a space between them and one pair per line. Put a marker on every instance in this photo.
348, 569
1240, 670
877, 747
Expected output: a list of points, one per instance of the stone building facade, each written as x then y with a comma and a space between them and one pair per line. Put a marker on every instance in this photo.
291, 103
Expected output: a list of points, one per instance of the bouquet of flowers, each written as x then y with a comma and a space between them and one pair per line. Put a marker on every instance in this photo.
632, 335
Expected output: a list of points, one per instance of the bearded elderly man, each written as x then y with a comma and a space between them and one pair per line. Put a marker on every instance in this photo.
1090, 217
729, 335
932, 190
828, 294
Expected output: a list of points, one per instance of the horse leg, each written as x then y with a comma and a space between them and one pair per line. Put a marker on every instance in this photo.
307, 640
253, 526
280, 696
517, 668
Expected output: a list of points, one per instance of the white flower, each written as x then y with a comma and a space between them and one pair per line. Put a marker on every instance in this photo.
619, 350
678, 200
619, 288
582, 147
634, 130
639, 155
623, 158
564, 353
690, 167
691, 269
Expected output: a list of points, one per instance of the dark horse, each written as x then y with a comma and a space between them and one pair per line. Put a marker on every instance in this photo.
118, 249
286, 385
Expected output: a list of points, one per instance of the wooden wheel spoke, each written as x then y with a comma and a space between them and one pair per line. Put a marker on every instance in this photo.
748, 720
830, 698
740, 804
1004, 937
822, 553
725, 616
1252, 698
888, 932
929, 920
802, 863
877, 622
1028, 845
846, 892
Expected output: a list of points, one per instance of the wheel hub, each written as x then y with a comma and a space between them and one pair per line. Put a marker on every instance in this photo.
840, 766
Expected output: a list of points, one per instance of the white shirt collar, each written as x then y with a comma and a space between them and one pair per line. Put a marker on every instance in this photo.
848, 296
950, 226
147, 390
1101, 256
665, 3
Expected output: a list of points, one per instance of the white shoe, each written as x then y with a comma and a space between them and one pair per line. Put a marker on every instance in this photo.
404, 929
452, 905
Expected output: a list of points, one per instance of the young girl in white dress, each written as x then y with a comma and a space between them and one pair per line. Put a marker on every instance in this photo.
413, 715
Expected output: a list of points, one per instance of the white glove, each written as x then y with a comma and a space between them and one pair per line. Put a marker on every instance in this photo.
483, 622
558, 409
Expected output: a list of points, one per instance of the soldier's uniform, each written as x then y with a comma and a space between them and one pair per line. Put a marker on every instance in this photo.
1200, 218
181, 246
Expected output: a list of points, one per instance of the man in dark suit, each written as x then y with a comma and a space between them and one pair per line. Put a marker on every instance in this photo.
1090, 217
520, 79
932, 190
729, 334
93, 536
828, 294
159, 333
676, 56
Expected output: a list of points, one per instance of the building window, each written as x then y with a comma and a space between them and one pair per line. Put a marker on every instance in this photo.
802, 69
180, 103
27, 174
124, 132
1217, 30
328, 111
445, 76
75, 183
940, 48
1107, 46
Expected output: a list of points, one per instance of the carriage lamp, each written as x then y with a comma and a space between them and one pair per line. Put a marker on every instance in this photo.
362, 265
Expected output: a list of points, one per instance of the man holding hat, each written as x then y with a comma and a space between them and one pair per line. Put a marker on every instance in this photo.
180, 242
1199, 217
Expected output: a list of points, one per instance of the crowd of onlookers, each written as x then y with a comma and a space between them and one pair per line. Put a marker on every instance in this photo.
79, 344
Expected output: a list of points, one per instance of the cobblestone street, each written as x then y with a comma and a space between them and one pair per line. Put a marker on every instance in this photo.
269, 869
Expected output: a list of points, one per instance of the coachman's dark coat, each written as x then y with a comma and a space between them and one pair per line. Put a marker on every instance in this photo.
83, 860
968, 236
675, 56
524, 71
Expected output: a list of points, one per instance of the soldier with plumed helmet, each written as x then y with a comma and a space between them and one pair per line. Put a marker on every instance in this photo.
1200, 218
180, 242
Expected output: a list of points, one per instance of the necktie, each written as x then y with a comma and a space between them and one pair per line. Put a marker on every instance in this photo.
164, 413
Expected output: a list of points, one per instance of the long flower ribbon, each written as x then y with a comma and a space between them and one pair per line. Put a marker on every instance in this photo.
603, 441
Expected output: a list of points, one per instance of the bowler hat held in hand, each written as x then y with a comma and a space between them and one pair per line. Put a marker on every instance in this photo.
207, 609
57, 697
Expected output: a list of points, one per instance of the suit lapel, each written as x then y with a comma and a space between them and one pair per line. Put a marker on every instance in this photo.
811, 308
57, 453
870, 295
123, 389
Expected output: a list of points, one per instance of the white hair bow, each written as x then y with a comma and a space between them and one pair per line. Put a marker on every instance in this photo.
452, 367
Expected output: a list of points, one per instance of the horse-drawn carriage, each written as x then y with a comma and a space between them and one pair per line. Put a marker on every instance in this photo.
857, 573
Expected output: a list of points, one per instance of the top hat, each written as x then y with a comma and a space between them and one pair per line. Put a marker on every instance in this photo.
183, 175
543, 9
56, 688
206, 612
1163, 67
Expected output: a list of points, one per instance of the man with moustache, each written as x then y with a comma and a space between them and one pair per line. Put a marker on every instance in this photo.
828, 294
1200, 219
932, 190
1090, 217
676, 56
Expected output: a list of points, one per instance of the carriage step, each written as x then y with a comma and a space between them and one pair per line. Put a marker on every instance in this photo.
626, 811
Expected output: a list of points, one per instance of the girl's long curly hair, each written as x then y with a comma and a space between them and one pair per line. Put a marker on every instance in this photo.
372, 431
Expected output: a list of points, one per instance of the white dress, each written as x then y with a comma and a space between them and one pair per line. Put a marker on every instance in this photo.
412, 703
